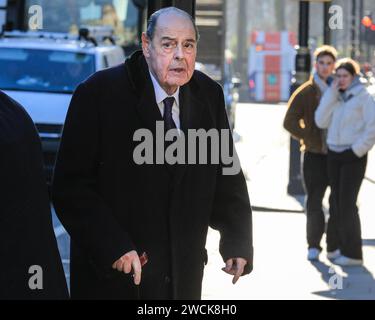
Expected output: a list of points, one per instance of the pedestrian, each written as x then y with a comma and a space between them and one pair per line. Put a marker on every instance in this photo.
30, 265
138, 231
348, 111
299, 121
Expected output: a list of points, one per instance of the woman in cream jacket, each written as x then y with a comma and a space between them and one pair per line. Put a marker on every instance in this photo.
347, 110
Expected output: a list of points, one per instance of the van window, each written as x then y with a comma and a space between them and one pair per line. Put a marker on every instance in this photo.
61, 71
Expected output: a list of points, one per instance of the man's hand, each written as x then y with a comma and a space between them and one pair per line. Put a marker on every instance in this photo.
128, 262
235, 267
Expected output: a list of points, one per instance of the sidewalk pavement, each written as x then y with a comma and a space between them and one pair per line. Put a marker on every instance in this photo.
281, 270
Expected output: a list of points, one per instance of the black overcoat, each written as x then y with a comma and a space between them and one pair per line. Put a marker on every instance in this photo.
26, 233
110, 205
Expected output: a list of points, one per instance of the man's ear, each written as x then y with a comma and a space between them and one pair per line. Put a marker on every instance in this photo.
145, 45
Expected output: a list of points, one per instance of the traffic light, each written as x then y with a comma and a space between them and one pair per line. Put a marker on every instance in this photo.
369, 29
366, 21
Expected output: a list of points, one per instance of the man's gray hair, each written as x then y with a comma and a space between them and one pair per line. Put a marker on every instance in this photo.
155, 16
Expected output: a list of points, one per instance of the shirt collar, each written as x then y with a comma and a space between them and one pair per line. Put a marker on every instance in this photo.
160, 93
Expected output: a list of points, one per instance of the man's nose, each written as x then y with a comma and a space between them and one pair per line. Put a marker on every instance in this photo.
179, 52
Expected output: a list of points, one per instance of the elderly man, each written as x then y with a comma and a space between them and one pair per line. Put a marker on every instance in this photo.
116, 209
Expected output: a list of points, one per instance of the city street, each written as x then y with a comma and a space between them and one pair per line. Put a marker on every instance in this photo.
82, 70
281, 270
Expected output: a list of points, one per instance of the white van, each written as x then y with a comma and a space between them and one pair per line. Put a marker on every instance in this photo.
41, 72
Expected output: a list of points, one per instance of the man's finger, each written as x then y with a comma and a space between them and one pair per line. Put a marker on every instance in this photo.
235, 279
240, 266
127, 268
137, 269
119, 264
229, 265
237, 274
231, 272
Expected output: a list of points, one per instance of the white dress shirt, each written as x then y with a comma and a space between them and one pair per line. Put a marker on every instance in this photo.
160, 95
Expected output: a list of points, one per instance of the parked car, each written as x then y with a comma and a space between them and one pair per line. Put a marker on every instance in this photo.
42, 70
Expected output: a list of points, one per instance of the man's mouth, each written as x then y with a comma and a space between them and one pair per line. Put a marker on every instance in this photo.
178, 70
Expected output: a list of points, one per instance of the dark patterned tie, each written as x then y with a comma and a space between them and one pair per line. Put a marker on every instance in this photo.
168, 119
168, 125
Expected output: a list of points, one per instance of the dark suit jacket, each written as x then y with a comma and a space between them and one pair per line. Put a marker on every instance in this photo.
26, 232
110, 205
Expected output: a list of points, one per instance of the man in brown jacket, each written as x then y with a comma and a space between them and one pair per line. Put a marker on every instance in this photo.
299, 121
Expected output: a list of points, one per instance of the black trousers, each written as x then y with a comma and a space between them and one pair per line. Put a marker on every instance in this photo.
346, 172
315, 178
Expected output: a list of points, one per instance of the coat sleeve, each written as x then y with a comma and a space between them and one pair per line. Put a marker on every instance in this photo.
366, 141
78, 203
231, 214
294, 115
324, 112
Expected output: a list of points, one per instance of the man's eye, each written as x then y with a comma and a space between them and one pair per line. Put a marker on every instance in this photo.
189, 45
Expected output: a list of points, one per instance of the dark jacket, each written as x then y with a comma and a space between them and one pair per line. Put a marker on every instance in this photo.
26, 233
299, 119
110, 205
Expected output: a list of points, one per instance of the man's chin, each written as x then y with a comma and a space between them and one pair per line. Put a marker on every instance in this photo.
179, 82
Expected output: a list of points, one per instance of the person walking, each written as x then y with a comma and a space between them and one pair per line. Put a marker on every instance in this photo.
347, 110
148, 220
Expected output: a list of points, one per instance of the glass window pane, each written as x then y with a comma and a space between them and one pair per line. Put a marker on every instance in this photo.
70, 15
61, 71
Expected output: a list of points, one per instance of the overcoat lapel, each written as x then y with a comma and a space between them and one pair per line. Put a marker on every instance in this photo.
140, 79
